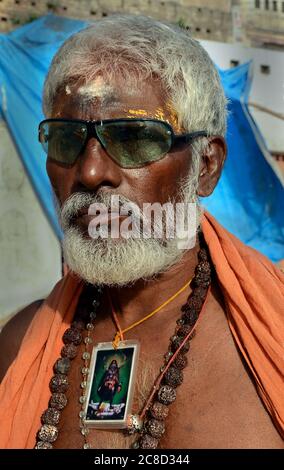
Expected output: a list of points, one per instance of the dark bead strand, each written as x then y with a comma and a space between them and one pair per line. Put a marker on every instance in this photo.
154, 426
50, 416
148, 442
176, 342
183, 331
202, 277
180, 361
58, 385
62, 365
200, 292
166, 394
173, 377
69, 350
72, 335
43, 445
190, 317
58, 401
202, 280
48, 433
159, 411
202, 254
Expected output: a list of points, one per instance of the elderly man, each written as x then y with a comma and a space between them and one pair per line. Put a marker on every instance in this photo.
135, 110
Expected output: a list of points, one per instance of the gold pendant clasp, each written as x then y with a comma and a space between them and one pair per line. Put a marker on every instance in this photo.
116, 340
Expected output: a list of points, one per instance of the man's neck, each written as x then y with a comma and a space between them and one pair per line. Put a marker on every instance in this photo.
134, 302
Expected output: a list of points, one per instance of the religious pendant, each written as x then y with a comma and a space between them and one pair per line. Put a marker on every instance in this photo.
110, 385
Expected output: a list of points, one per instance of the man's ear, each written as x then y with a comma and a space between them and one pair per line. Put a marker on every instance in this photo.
212, 161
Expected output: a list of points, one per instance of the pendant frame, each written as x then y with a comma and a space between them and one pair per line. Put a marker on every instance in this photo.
112, 372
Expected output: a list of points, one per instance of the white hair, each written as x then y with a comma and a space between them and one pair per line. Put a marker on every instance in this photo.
138, 48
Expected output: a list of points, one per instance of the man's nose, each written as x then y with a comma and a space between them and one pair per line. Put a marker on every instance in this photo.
95, 168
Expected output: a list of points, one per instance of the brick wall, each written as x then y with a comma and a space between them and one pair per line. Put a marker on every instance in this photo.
206, 22
262, 20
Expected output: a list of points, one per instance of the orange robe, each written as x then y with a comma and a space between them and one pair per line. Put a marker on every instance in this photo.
253, 291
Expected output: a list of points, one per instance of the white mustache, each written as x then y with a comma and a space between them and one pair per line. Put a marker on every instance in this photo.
82, 201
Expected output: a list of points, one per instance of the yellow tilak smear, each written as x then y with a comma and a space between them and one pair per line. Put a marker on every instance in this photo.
159, 113
171, 119
137, 112
174, 118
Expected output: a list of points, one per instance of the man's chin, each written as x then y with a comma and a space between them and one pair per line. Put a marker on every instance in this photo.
117, 262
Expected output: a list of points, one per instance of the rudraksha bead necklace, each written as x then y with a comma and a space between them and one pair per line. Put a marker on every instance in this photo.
150, 423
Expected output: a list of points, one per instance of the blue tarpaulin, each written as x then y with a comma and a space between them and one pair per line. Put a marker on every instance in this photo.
248, 199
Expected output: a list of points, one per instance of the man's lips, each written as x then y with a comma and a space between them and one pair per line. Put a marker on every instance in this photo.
101, 219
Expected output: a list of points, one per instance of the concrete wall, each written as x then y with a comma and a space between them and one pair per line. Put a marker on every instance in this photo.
267, 88
30, 257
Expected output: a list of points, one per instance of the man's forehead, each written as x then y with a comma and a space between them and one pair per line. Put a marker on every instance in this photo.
115, 90
99, 95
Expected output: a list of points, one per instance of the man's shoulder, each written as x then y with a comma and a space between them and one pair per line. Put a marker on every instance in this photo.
13, 333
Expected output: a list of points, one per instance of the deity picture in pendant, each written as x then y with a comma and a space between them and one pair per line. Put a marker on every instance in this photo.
111, 384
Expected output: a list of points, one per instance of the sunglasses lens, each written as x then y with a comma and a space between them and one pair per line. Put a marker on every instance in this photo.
134, 144
62, 141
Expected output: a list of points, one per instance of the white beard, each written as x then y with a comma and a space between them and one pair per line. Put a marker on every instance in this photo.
119, 262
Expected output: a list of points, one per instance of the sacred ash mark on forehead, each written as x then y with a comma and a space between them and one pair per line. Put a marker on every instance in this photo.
97, 89
86, 94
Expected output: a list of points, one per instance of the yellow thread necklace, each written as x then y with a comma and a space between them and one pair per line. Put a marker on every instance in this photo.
119, 334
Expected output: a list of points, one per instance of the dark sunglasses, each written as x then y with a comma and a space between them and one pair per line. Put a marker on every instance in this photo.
131, 143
